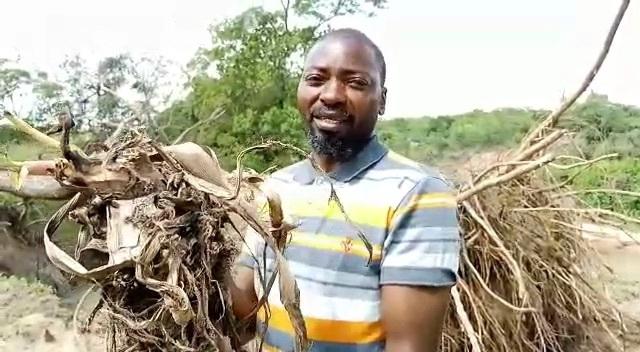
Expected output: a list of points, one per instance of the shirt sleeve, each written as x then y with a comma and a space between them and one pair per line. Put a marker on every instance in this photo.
253, 242
423, 244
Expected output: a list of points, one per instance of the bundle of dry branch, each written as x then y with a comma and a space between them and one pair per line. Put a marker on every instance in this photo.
527, 272
159, 237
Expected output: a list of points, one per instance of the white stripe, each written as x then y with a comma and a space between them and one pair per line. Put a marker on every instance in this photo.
317, 306
422, 255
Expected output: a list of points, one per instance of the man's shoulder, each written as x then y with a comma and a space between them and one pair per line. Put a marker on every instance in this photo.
395, 165
286, 174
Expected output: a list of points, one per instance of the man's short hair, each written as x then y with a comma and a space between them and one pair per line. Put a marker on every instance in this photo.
356, 34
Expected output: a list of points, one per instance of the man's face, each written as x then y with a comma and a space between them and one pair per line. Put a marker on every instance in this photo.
340, 96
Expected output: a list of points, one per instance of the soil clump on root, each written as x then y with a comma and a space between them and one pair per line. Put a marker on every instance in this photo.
161, 228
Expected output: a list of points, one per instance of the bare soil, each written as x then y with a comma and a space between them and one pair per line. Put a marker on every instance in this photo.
34, 318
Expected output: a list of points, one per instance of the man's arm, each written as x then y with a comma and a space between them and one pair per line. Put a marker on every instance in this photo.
413, 317
243, 293
419, 267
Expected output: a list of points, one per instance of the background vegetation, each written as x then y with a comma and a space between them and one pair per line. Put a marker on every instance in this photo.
250, 73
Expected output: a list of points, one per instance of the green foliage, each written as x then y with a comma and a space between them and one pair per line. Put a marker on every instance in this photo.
251, 70
604, 127
426, 139
11, 80
623, 174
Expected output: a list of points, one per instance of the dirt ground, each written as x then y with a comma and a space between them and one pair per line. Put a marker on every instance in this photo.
33, 318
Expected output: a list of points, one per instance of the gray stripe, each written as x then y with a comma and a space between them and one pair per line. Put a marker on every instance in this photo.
328, 276
284, 342
396, 179
428, 217
425, 234
341, 262
417, 276
339, 228
388, 163
348, 290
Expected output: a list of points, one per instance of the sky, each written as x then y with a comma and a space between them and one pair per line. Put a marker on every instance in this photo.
443, 57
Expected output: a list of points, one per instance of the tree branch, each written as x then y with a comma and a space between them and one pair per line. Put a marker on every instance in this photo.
536, 164
552, 119
41, 187
119, 129
25, 128
285, 7
216, 114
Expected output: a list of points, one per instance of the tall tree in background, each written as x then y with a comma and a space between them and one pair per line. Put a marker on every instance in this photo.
251, 71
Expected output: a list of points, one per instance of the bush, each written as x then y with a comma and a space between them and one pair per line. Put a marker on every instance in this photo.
623, 174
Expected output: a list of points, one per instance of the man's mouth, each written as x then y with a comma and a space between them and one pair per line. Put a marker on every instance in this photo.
331, 122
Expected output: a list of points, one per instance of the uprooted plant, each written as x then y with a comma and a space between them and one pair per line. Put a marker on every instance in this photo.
161, 227
160, 230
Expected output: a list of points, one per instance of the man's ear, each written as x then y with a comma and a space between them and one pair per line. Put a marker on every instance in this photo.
383, 101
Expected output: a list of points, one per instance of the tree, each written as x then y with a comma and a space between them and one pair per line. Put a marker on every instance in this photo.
12, 80
251, 70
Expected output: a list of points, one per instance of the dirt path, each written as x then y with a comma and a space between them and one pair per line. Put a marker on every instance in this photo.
32, 318
624, 285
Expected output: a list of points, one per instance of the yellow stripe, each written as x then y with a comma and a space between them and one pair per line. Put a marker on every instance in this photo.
335, 244
370, 215
427, 201
323, 330
269, 348
432, 200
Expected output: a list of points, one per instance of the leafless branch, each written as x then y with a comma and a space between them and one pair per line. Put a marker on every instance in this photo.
551, 120
494, 181
582, 163
119, 129
601, 190
216, 114
285, 6
597, 211
41, 187
24, 127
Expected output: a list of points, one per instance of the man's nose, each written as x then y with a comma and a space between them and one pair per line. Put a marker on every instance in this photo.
333, 93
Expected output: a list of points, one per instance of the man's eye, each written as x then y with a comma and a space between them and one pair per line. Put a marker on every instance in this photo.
358, 83
313, 79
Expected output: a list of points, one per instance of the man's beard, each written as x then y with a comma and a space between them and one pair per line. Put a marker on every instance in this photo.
336, 148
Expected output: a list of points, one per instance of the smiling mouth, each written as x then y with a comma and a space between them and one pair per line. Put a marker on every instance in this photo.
330, 124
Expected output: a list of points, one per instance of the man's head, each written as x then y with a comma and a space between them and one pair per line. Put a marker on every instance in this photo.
341, 93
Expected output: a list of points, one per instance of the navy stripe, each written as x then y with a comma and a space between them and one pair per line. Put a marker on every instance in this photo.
417, 276
284, 342
339, 228
428, 217
341, 290
345, 262
330, 277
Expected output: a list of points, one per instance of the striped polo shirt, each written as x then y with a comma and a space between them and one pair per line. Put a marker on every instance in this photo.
407, 212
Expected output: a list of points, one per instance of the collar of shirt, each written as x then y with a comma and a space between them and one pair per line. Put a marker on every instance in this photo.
373, 152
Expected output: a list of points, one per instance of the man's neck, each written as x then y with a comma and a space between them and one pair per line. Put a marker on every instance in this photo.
326, 163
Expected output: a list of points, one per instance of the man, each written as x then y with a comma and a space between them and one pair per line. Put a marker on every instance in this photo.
399, 301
